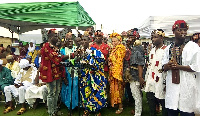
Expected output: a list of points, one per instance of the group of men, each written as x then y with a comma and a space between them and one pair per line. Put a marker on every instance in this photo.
70, 68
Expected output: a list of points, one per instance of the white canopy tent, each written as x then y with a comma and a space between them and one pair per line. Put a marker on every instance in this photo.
166, 22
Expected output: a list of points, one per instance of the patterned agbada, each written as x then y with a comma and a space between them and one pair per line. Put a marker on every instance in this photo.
104, 48
115, 73
154, 77
49, 69
93, 82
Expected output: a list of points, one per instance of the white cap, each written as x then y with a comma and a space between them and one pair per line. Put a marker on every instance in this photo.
24, 63
33, 41
1, 62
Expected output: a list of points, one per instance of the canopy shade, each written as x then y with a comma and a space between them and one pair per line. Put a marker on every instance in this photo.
166, 23
23, 17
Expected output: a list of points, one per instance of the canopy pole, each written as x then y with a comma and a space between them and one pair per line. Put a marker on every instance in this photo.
12, 36
95, 27
76, 31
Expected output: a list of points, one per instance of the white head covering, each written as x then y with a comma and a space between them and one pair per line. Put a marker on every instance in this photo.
31, 49
24, 63
1, 62
33, 41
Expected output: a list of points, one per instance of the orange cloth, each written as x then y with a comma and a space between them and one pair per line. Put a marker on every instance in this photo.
116, 58
115, 74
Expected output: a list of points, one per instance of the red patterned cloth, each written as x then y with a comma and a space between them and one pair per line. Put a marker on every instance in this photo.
50, 63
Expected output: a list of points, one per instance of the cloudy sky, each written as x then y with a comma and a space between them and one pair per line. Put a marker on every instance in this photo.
119, 15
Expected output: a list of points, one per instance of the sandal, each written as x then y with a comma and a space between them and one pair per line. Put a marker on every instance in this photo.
21, 111
8, 109
86, 113
132, 112
98, 114
119, 111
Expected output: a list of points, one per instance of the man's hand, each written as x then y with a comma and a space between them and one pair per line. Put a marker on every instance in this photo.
168, 66
164, 89
18, 85
142, 82
175, 65
65, 81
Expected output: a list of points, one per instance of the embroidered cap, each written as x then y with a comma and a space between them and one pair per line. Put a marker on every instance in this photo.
180, 24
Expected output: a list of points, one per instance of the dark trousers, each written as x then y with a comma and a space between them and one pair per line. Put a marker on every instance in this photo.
176, 112
153, 101
129, 93
164, 110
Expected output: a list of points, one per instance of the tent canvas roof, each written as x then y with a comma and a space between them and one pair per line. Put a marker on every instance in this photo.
166, 22
23, 17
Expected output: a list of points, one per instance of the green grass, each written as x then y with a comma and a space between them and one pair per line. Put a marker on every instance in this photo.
41, 110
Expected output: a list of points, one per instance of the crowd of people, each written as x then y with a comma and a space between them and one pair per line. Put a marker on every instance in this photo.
94, 72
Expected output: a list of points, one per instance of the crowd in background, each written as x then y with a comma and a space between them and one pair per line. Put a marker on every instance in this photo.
94, 72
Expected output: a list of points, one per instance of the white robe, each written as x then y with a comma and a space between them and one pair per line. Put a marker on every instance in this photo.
19, 92
157, 87
34, 92
181, 96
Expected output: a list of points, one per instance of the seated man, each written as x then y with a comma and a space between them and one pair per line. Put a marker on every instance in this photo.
5, 76
38, 90
12, 65
24, 80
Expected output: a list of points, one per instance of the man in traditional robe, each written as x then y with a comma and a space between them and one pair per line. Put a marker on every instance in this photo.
180, 61
50, 70
154, 77
5, 76
12, 65
33, 52
24, 79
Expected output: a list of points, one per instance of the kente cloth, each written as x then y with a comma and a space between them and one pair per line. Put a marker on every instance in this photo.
5, 78
35, 57
14, 67
116, 58
50, 63
66, 89
93, 82
104, 48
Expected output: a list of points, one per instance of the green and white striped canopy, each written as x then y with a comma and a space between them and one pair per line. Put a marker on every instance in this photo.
23, 17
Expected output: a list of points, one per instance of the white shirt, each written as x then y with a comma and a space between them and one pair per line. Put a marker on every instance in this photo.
154, 79
181, 96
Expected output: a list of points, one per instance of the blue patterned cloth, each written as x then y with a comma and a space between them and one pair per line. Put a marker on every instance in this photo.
93, 82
